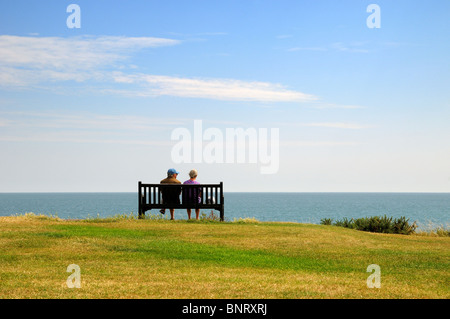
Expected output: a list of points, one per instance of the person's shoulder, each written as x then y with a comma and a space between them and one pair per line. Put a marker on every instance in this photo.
191, 182
170, 180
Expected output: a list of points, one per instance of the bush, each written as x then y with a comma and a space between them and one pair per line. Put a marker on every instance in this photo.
326, 221
345, 223
376, 224
212, 217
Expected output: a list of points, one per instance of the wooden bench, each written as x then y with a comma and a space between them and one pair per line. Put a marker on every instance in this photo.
150, 197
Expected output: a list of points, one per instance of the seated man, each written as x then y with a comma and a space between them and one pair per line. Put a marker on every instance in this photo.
170, 195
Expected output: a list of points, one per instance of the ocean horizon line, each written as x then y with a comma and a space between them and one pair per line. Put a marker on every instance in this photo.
240, 192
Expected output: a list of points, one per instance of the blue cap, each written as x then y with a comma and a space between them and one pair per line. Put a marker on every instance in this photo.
172, 171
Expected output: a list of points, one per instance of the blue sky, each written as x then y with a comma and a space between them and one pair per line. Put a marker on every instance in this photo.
357, 108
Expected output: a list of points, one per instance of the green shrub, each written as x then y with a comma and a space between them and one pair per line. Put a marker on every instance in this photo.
326, 221
376, 224
345, 223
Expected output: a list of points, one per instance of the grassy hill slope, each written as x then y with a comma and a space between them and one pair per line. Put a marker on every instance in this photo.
128, 258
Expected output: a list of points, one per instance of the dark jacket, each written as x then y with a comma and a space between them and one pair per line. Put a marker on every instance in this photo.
170, 195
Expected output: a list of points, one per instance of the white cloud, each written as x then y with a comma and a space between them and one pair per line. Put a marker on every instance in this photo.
352, 126
353, 47
82, 52
85, 128
317, 143
335, 106
337, 125
85, 121
75, 138
27, 61
306, 49
30, 61
219, 89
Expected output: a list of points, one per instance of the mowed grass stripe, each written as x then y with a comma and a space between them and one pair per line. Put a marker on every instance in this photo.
203, 255
159, 244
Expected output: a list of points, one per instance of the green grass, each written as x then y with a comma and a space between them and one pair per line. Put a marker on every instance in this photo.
123, 257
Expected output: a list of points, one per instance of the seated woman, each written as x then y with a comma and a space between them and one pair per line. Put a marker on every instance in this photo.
192, 195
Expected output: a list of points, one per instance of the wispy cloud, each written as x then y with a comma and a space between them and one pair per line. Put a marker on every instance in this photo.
307, 49
335, 125
339, 125
28, 61
84, 52
85, 121
354, 47
321, 105
76, 138
179, 34
317, 143
86, 127
219, 89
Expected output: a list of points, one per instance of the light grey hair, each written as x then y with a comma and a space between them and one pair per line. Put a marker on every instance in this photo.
193, 173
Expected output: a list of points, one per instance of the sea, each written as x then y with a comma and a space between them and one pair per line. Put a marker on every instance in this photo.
428, 210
